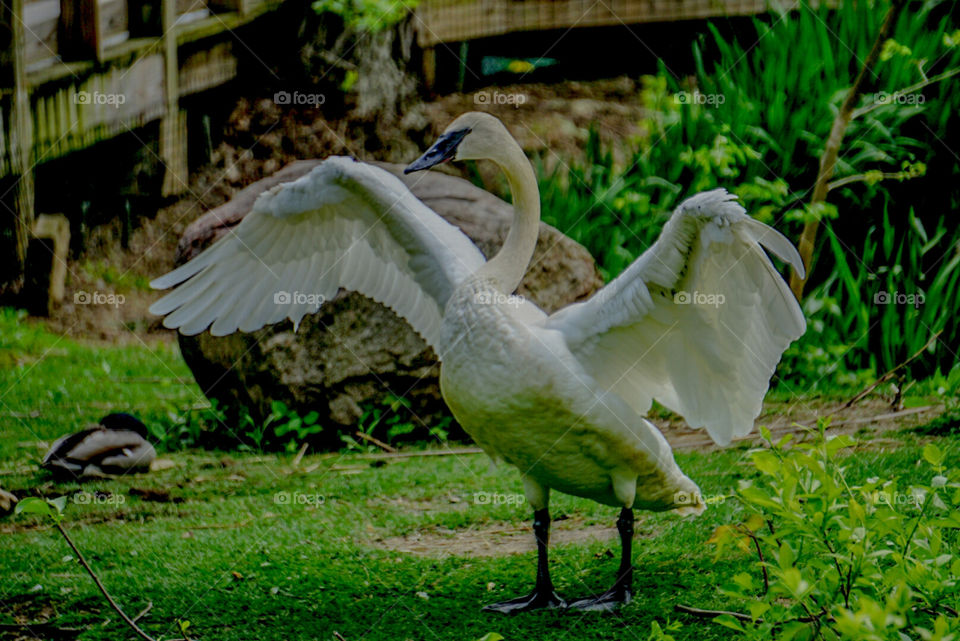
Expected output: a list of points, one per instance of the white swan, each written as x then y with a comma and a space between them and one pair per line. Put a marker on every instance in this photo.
698, 322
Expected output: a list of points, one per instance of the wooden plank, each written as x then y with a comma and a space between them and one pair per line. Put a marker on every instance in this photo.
47, 264
73, 116
41, 19
19, 197
80, 29
207, 68
459, 20
429, 67
114, 23
173, 127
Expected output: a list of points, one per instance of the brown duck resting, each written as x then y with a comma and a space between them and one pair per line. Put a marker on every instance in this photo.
117, 445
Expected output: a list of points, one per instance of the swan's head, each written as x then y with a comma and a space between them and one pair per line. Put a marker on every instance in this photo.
473, 136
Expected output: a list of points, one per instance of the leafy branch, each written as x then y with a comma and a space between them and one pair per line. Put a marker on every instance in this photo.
54, 510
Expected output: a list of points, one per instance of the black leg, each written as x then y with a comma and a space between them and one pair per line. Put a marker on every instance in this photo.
622, 590
543, 595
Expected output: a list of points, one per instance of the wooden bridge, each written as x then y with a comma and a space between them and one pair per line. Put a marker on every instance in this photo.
447, 21
76, 72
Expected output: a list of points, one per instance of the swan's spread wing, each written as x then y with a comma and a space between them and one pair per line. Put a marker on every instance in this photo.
344, 224
698, 322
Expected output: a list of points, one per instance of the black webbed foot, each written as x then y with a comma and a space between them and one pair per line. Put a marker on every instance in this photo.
536, 600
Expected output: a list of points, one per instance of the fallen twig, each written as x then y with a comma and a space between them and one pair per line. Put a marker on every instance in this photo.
143, 612
883, 379
372, 439
712, 614
299, 456
740, 616
103, 590
450, 452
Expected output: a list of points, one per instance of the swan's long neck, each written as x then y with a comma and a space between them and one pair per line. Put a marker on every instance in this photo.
509, 265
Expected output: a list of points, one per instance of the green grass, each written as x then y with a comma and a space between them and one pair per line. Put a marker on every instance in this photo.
224, 554
50, 384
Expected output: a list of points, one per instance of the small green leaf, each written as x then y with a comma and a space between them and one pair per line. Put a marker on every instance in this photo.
491, 636
757, 609
59, 504
839, 442
767, 462
33, 505
933, 454
728, 621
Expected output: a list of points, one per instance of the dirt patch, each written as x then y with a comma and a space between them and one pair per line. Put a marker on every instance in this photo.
874, 416
496, 539
27, 617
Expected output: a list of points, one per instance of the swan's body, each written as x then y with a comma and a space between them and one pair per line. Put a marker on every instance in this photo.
523, 396
560, 397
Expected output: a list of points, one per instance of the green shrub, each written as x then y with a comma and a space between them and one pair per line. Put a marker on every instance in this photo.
881, 304
837, 559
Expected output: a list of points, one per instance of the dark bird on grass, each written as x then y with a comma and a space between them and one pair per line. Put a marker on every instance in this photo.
698, 322
116, 445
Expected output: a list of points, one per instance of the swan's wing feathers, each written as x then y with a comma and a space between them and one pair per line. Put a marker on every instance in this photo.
345, 224
698, 322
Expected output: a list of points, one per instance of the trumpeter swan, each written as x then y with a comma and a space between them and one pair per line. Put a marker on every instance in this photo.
698, 322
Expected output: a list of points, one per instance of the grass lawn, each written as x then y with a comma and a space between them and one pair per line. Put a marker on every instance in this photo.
249, 546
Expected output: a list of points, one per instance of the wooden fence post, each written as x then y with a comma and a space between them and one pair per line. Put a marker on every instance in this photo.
173, 126
16, 193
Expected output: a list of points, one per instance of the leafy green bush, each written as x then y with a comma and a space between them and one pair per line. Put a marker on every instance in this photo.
837, 559
763, 141
366, 15
880, 305
781, 100
210, 427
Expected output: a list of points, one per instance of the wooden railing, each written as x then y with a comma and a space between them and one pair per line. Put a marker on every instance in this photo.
81, 71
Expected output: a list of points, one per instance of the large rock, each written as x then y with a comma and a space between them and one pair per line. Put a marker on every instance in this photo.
354, 352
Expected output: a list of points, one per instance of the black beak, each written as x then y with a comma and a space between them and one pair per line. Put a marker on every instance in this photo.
441, 151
